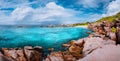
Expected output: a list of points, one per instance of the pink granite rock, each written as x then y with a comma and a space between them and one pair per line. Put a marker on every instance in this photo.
33, 54
55, 56
106, 53
26, 54
14, 54
3, 58
60, 56
93, 43
112, 36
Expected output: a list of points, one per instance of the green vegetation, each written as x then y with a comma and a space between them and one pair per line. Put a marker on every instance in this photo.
118, 15
109, 18
113, 29
80, 24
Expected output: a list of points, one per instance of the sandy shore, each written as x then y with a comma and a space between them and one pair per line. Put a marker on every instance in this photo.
82, 26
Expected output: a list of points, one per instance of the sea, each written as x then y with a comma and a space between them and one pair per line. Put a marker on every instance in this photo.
46, 37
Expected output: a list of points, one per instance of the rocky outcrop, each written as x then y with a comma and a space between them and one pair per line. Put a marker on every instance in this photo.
3, 58
109, 29
106, 53
118, 35
79, 49
73, 53
26, 54
14, 54
76, 49
60, 56
93, 43
98, 46
33, 54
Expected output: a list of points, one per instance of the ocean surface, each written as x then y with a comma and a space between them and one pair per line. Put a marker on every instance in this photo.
11, 37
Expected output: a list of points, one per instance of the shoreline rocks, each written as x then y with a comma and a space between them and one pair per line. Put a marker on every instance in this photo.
27, 54
60, 56
3, 58
93, 43
98, 46
106, 53
104, 38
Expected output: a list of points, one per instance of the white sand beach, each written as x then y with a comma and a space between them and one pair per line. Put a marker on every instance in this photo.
82, 26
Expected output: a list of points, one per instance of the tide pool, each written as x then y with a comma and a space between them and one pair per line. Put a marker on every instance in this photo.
37, 36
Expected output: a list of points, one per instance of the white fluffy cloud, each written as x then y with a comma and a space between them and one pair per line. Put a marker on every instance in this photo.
21, 13
5, 19
113, 8
92, 3
51, 12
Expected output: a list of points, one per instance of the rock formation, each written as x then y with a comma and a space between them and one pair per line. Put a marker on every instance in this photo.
26, 54
106, 53
98, 46
93, 43
60, 56
3, 58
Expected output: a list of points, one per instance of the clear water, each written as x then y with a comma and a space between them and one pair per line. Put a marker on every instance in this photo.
37, 36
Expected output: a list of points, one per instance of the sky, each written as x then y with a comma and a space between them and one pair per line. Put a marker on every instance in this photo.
55, 11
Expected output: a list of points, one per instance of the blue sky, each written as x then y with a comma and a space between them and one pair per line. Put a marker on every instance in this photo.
55, 11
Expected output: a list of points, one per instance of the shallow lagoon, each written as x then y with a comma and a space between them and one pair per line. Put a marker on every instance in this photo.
37, 36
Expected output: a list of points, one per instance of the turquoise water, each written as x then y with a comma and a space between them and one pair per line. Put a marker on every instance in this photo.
37, 36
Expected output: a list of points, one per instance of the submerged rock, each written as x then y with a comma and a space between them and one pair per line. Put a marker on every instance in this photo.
51, 49
66, 45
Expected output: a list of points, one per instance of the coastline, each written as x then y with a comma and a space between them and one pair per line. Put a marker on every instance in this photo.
76, 50
92, 46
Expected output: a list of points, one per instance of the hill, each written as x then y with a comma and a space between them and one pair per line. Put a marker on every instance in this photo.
109, 18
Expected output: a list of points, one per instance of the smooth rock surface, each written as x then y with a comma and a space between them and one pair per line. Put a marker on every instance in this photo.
106, 53
93, 43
